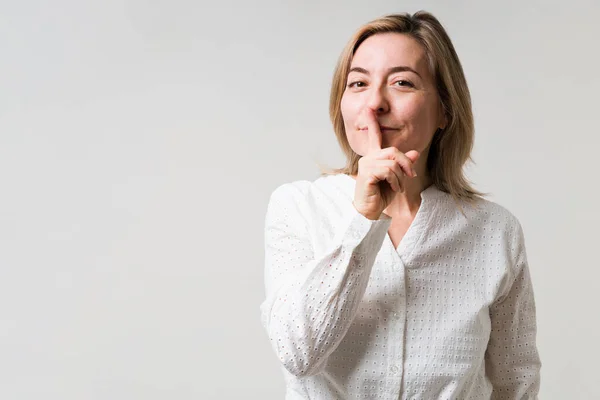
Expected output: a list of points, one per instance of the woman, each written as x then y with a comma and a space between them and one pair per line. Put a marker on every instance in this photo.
392, 278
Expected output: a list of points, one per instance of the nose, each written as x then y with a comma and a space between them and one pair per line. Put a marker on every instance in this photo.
377, 100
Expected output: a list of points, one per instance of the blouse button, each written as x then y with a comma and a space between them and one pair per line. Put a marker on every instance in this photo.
394, 369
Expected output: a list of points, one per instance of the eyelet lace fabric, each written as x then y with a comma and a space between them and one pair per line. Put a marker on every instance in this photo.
448, 314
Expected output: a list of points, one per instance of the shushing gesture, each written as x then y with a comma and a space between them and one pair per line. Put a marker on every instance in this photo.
382, 173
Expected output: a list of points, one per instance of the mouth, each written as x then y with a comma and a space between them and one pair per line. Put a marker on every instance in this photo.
381, 128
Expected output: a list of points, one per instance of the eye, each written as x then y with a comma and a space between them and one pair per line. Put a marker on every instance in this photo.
356, 84
404, 83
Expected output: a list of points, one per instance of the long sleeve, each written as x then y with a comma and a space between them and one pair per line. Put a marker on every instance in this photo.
512, 360
311, 299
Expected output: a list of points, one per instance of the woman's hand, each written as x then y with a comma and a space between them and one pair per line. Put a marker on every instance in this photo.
381, 173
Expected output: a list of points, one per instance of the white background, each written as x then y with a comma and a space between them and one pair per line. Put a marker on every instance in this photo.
140, 141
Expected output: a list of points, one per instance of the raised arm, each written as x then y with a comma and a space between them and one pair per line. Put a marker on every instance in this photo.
311, 301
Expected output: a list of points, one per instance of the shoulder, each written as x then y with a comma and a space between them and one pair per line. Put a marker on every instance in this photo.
311, 204
493, 221
306, 193
492, 212
290, 190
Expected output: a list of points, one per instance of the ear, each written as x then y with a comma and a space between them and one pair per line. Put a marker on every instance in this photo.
445, 123
443, 118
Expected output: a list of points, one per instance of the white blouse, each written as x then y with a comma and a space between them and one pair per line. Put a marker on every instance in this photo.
448, 314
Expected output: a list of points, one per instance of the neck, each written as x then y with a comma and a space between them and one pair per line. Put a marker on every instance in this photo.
408, 202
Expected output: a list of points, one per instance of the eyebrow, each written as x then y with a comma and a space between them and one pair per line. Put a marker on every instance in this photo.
401, 68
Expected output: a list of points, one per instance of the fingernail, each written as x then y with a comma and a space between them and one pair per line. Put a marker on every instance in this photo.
414, 173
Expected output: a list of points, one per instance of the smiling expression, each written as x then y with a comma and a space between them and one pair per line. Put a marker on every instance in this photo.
389, 74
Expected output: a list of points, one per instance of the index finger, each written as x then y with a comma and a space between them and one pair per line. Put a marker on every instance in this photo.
373, 131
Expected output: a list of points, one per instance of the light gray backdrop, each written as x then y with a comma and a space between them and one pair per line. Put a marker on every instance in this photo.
139, 144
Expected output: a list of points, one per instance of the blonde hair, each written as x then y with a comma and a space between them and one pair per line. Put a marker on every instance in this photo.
451, 147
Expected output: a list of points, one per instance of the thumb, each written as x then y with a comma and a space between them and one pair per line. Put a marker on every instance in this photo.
413, 155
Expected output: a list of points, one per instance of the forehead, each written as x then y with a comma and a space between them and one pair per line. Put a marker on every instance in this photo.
384, 50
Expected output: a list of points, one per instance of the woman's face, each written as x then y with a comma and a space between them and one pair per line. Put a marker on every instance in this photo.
389, 74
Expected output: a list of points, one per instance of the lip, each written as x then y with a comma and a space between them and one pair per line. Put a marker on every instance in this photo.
383, 128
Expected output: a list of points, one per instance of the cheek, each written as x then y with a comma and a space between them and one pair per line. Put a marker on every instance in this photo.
350, 108
411, 109
420, 112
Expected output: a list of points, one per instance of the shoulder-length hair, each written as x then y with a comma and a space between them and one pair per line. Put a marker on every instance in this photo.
450, 147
